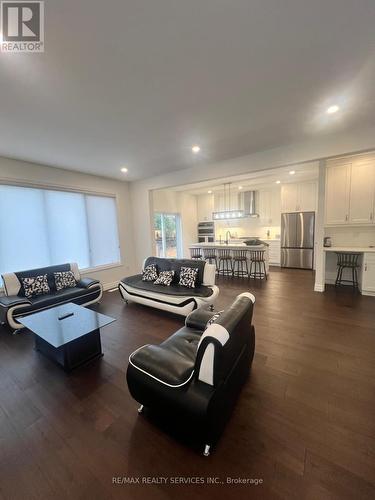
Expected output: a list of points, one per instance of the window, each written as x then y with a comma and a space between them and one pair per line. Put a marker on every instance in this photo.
168, 235
41, 227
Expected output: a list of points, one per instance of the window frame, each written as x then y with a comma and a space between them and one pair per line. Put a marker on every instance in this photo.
72, 189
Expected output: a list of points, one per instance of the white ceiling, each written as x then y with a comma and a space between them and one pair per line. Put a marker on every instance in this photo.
254, 181
136, 82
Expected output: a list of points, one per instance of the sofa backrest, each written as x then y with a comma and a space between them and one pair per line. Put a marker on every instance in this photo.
223, 341
176, 264
12, 281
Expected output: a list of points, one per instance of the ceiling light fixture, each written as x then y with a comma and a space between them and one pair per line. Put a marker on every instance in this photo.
240, 187
124, 169
209, 191
195, 148
292, 172
278, 182
332, 109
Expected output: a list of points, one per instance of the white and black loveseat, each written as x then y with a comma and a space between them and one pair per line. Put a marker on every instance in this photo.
174, 298
14, 303
193, 378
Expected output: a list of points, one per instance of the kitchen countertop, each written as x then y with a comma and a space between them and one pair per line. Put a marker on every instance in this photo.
350, 249
231, 246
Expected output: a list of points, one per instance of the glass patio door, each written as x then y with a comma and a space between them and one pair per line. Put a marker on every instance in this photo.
168, 235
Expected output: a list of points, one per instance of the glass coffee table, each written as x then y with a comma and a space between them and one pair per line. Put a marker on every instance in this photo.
68, 334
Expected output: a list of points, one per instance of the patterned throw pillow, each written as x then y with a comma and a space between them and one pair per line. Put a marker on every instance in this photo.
165, 278
35, 285
64, 279
188, 276
150, 273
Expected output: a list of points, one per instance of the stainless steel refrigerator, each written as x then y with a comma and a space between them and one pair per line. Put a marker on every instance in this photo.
297, 240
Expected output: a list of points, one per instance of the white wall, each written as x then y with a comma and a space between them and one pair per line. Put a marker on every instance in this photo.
23, 173
179, 203
315, 149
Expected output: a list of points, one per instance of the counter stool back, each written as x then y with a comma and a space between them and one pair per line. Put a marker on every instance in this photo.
346, 260
240, 267
196, 253
257, 261
225, 266
210, 255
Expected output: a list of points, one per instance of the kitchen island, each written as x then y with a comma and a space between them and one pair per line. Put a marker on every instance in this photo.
236, 246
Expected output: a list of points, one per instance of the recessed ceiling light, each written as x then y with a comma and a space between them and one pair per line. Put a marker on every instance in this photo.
332, 109
209, 191
278, 182
240, 187
292, 172
124, 169
195, 148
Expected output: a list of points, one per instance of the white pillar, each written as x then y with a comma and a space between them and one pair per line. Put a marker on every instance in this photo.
320, 257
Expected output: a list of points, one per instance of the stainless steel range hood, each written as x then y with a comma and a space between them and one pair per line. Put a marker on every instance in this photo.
248, 203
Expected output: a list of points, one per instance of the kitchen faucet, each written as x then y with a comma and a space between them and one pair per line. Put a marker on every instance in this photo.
226, 237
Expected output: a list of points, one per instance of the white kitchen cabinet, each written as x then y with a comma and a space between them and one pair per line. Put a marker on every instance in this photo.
205, 207
269, 207
298, 197
368, 274
223, 202
274, 252
350, 191
362, 192
289, 198
338, 193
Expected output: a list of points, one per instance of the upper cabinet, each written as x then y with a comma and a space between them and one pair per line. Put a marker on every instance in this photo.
268, 204
298, 197
205, 207
350, 191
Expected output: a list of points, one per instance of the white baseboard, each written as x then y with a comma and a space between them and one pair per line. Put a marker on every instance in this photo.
319, 288
108, 286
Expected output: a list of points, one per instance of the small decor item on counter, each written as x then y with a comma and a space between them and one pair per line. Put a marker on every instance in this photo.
268, 233
327, 241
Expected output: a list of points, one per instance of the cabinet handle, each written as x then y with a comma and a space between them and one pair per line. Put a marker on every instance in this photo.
366, 267
346, 217
371, 216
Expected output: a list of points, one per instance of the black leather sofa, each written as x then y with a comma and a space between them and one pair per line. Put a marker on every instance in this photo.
174, 298
14, 304
194, 377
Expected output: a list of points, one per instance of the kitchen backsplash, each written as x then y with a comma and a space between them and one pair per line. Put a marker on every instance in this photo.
347, 236
245, 227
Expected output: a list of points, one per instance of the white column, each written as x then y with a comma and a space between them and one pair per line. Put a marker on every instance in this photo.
320, 257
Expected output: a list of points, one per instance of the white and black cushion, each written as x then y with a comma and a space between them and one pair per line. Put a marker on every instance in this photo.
35, 285
150, 273
165, 278
188, 276
64, 279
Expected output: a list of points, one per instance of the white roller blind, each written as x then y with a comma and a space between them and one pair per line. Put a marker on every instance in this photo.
41, 227
104, 244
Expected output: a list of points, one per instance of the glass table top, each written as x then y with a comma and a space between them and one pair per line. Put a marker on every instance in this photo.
62, 324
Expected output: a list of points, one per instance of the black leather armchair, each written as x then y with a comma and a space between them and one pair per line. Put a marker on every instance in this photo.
194, 377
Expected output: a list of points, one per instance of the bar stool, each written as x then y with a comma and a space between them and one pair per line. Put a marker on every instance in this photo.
210, 255
257, 259
225, 262
195, 253
347, 261
240, 260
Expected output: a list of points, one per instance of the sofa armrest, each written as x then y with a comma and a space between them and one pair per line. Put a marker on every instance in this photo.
198, 319
13, 300
87, 282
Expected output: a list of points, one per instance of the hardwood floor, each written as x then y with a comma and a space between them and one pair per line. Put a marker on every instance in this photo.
304, 423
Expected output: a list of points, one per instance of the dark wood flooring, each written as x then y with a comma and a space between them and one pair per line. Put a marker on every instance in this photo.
304, 424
